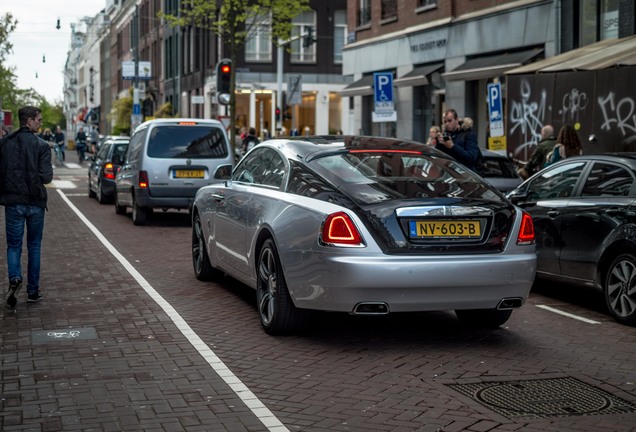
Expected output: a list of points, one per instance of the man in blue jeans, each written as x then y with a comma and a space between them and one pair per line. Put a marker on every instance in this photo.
25, 167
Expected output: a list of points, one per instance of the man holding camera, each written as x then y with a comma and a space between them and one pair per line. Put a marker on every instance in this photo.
460, 144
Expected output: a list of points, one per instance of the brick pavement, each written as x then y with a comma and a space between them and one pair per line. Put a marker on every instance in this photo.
347, 375
138, 373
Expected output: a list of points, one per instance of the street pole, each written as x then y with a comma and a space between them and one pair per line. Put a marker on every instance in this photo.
279, 83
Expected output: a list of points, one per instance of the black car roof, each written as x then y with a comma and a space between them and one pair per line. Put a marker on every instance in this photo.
311, 147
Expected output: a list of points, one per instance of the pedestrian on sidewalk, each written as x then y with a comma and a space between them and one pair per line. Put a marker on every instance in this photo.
25, 167
458, 143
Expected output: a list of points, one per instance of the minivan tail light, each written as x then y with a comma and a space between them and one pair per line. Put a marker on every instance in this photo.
339, 230
143, 179
109, 171
526, 231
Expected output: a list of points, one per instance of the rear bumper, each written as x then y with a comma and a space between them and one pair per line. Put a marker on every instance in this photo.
145, 199
410, 284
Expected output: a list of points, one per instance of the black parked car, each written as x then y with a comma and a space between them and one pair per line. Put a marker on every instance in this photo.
584, 213
103, 168
499, 171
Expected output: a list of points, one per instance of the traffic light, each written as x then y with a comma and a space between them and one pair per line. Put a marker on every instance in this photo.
278, 117
223, 79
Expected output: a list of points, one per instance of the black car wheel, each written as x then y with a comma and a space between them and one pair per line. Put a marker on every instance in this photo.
101, 198
91, 194
275, 307
620, 289
203, 270
119, 209
483, 318
139, 214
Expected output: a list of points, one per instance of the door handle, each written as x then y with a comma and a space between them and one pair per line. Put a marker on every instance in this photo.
218, 197
553, 213
612, 211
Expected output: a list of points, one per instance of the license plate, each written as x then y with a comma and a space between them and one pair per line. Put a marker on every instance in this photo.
188, 173
445, 229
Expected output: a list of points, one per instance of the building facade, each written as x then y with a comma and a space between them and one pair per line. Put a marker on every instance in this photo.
443, 54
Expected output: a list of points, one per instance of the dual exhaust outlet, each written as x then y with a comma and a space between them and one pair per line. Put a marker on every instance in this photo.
381, 308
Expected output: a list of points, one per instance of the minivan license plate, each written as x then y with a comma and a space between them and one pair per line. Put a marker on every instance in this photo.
188, 173
445, 229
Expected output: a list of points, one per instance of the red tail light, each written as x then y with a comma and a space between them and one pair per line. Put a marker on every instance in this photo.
526, 232
109, 171
143, 179
339, 230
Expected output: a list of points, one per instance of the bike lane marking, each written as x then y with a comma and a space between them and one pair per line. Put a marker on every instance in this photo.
241, 390
567, 314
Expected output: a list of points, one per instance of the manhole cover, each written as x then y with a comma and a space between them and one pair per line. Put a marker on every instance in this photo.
544, 398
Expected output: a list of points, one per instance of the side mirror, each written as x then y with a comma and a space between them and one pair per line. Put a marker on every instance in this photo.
517, 196
224, 172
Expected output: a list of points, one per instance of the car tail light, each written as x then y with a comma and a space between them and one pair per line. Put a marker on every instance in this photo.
526, 232
143, 179
339, 230
109, 171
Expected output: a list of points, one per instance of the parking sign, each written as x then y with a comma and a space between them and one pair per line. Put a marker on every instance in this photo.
495, 110
383, 92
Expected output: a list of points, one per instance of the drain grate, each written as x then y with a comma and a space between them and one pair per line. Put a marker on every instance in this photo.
544, 398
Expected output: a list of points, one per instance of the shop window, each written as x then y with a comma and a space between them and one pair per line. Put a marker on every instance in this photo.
597, 20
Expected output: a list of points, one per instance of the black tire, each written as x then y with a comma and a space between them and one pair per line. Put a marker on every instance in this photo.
619, 288
483, 318
139, 214
276, 309
203, 270
91, 194
101, 198
119, 209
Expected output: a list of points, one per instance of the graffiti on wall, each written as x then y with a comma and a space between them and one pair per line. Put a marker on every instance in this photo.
599, 104
620, 115
573, 104
527, 117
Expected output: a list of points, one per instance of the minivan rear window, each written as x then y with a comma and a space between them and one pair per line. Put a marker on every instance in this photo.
187, 142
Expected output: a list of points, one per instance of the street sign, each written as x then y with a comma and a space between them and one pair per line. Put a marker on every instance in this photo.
495, 110
294, 89
383, 92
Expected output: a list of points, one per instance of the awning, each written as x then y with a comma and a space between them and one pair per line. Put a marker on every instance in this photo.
600, 55
491, 66
362, 87
418, 76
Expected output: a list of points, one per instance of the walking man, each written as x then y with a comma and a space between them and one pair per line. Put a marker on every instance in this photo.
25, 167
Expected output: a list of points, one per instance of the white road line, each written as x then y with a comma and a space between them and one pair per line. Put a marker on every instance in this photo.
251, 401
567, 314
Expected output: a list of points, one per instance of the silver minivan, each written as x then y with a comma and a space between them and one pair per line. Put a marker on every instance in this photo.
167, 161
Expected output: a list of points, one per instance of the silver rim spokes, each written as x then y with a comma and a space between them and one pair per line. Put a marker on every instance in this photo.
267, 285
197, 246
621, 288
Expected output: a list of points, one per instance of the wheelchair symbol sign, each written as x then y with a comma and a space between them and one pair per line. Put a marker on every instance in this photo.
383, 91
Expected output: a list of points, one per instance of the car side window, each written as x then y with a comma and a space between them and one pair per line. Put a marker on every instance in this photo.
558, 182
608, 180
103, 151
253, 166
275, 172
136, 146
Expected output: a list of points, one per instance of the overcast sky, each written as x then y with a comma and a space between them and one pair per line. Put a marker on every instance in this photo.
36, 36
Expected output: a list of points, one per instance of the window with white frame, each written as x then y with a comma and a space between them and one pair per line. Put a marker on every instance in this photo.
303, 25
339, 34
364, 12
258, 46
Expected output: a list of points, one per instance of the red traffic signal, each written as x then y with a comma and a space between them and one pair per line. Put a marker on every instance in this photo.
225, 68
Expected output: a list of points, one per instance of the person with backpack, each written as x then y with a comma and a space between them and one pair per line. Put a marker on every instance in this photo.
568, 145
250, 140
458, 143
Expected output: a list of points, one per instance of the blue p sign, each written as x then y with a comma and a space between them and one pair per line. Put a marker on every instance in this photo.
383, 87
494, 102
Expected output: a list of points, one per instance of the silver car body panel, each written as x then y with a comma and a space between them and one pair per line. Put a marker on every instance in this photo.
338, 278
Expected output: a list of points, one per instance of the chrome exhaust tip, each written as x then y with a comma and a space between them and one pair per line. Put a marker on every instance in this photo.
510, 303
371, 308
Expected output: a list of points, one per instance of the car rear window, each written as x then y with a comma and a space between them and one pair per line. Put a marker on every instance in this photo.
498, 167
378, 176
187, 142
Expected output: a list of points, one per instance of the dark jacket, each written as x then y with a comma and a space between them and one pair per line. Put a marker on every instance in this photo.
537, 160
465, 149
25, 167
